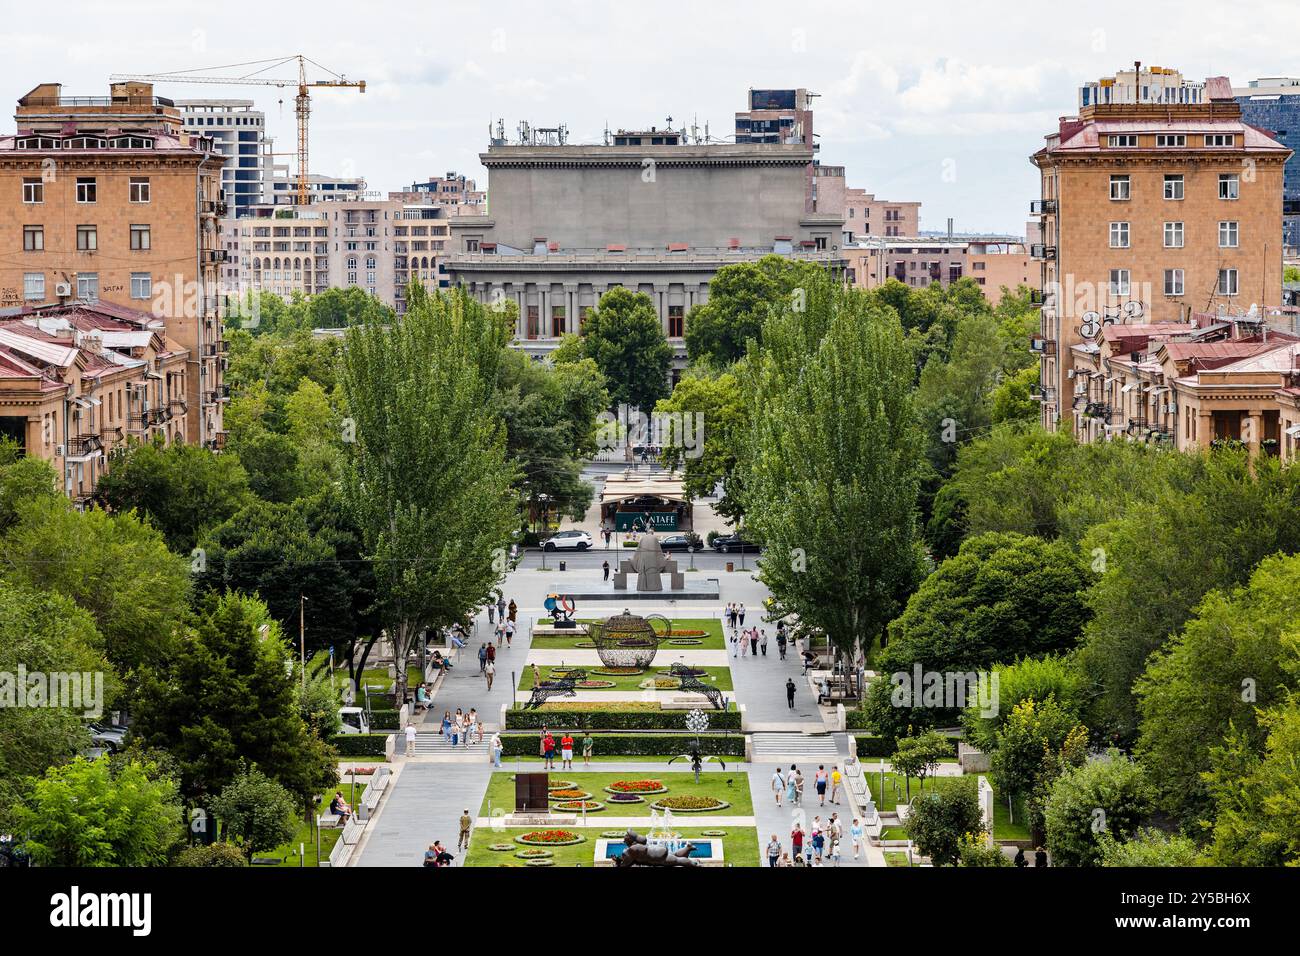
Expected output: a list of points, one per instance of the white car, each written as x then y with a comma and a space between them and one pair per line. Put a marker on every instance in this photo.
568, 541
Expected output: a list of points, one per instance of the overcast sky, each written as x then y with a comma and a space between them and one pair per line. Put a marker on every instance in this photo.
938, 102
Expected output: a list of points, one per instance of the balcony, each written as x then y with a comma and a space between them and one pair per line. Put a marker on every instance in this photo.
157, 416
1042, 207
1097, 410
1042, 252
178, 406
1042, 346
1138, 424
213, 257
84, 446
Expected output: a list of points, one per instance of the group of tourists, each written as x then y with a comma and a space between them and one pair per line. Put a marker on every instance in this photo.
503, 619
819, 845
565, 743
790, 785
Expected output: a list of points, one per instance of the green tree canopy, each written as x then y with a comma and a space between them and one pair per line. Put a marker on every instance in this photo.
255, 812
741, 296
623, 337
1106, 796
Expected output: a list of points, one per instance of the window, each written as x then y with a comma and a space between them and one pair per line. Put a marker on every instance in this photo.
1120, 188
1171, 139
33, 238
1220, 139
1229, 186
141, 285
819, 242
1173, 235
139, 189
33, 189
1122, 140
34, 286
533, 322
139, 238
87, 239
1119, 235
676, 321
88, 286
1119, 281
1227, 282
1173, 282
85, 189
557, 320
1174, 187
1228, 235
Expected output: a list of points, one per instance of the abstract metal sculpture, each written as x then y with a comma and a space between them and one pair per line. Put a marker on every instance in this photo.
637, 851
561, 608
690, 682
697, 721
566, 686
628, 640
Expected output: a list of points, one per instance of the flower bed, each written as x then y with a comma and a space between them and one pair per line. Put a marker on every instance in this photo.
561, 785
589, 645
577, 806
535, 853
550, 838
595, 684
660, 683
619, 671
637, 786
689, 804
692, 671
540, 863
685, 642
689, 632
568, 794
713, 833
624, 798
613, 834
500, 847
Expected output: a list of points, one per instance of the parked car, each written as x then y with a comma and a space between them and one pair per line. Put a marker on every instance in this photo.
682, 542
733, 543
568, 541
353, 720
111, 737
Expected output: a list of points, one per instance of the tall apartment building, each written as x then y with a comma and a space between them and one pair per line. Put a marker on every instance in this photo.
1273, 104
569, 222
375, 245
320, 187
109, 199
777, 117
238, 132
1157, 202
79, 380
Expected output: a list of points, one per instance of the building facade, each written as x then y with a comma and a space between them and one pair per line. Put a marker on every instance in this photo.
109, 199
919, 261
79, 380
1157, 202
569, 222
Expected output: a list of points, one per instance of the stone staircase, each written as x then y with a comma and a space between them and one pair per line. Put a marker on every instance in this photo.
434, 744
817, 747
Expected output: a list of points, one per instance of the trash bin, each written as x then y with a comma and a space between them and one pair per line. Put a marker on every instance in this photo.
561, 565
731, 565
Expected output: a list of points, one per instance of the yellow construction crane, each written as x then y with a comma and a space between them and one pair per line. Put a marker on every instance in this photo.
302, 104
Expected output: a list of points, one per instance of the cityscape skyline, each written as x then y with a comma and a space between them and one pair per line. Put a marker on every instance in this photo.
953, 132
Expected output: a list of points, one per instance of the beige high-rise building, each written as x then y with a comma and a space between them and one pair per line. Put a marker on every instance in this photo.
109, 199
1157, 202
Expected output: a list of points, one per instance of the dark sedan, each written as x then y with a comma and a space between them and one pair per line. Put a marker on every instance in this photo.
734, 543
681, 542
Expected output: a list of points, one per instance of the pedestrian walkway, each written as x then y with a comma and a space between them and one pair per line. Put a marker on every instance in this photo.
771, 818
466, 687
760, 683
424, 803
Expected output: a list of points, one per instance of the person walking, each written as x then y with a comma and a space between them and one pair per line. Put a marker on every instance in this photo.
605, 567
489, 672
773, 851
753, 643
789, 692
497, 747
456, 720
466, 823
818, 839
837, 780
512, 610
740, 614
780, 644
607, 537
735, 643
778, 785
796, 842
798, 787
588, 746
482, 657
820, 780
492, 613
743, 640
791, 788
446, 725
510, 631
855, 835
762, 640
501, 607
410, 740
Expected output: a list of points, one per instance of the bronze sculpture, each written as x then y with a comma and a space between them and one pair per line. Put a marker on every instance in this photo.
638, 852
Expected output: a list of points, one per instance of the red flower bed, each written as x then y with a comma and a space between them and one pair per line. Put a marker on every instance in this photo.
550, 837
636, 786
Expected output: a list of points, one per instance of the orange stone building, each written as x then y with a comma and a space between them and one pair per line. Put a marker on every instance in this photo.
109, 200
1158, 203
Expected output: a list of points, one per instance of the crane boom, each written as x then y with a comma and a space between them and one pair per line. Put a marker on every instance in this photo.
302, 103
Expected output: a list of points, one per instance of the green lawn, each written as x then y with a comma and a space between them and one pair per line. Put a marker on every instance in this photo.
711, 641
501, 792
739, 847
896, 858
306, 834
1003, 829
719, 677
653, 761
894, 833
378, 677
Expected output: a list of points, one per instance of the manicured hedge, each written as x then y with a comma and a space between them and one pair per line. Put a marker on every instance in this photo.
631, 745
359, 745
616, 719
876, 746
384, 719
856, 720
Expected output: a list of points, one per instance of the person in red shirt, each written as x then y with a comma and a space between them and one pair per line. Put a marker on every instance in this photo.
566, 751
548, 750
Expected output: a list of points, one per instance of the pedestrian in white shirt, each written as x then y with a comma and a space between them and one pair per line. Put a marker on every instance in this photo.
410, 740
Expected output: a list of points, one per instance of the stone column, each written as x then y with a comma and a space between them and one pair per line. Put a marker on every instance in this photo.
570, 307
1254, 430
543, 311
1204, 428
661, 305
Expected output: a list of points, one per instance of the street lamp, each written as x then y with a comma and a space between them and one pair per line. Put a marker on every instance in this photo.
302, 637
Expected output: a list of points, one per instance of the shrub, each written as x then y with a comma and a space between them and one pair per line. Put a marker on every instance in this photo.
216, 854
384, 720
359, 745
876, 746
614, 719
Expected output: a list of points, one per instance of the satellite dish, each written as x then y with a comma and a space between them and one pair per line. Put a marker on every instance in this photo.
1133, 309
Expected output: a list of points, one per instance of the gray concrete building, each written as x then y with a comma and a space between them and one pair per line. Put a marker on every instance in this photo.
569, 222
